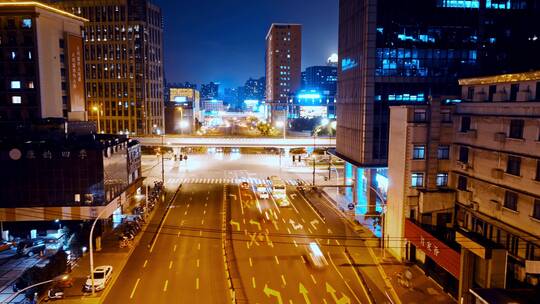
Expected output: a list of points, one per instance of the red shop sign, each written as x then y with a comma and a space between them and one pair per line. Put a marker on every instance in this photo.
443, 255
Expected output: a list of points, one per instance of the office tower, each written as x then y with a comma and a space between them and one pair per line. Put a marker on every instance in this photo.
210, 90
400, 52
41, 63
123, 43
255, 88
182, 111
322, 78
283, 65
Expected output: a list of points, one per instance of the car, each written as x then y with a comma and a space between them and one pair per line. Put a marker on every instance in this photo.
262, 191
30, 247
316, 257
244, 185
283, 202
102, 276
5, 246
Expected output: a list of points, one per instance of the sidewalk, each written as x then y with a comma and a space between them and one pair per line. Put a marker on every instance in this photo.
110, 254
423, 289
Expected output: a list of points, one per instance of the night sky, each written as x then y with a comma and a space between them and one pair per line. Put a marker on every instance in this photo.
224, 40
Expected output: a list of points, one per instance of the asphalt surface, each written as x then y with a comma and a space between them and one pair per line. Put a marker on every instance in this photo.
183, 264
269, 249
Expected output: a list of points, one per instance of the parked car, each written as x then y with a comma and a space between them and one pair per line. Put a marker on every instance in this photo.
102, 276
5, 246
30, 247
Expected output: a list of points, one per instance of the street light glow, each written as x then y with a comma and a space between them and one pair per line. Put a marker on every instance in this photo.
325, 121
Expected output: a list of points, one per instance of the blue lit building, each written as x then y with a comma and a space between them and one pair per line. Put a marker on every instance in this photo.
322, 78
312, 103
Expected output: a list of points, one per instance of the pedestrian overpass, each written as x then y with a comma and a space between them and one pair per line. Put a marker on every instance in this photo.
237, 142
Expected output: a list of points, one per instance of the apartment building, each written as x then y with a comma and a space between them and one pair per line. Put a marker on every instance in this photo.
41, 63
123, 49
465, 196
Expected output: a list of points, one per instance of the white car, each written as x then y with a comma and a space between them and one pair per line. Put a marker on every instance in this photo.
316, 257
102, 276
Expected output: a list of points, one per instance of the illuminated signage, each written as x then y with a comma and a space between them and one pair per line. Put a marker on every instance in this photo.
180, 98
348, 63
313, 111
309, 96
75, 73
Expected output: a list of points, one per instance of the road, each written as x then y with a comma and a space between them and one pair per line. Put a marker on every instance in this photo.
269, 243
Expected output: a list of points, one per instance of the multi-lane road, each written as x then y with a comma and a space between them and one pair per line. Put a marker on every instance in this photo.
268, 251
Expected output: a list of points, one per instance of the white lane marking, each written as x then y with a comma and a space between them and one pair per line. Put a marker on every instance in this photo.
174, 249
145, 262
313, 209
337, 242
197, 283
198, 263
358, 278
199, 246
289, 230
303, 259
344, 281
134, 288
277, 260
295, 244
250, 262
313, 279
283, 280
166, 284
202, 222
159, 230
170, 264
253, 282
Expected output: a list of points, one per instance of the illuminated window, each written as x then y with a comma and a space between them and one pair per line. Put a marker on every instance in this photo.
15, 84
459, 3
26, 23
442, 179
16, 99
419, 152
417, 179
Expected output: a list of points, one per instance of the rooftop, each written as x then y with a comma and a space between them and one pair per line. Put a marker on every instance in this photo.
19, 4
503, 78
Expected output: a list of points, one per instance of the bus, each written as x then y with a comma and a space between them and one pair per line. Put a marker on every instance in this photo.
279, 191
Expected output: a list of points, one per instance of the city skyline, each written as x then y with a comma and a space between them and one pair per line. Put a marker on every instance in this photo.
240, 52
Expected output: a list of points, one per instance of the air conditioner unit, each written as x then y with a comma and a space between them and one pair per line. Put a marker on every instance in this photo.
497, 173
500, 137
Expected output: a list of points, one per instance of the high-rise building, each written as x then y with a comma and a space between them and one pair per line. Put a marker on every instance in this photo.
32, 84
182, 111
283, 65
464, 200
393, 51
123, 43
322, 78
210, 90
400, 52
255, 88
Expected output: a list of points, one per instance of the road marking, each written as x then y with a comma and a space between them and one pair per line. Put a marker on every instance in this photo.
329, 231
166, 284
200, 232
145, 262
247, 245
358, 278
283, 280
253, 282
295, 244
303, 291
337, 242
303, 259
204, 212
284, 222
134, 288
178, 235
253, 222
313, 279
275, 225
324, 301
271, 292
181, 224
344, 281
288, 230
314, 223
159, 230
277, 260
198, 262
199, 246
207, 198
202, 222
309, 231
185, 213
197, 283
296, 210
250, 262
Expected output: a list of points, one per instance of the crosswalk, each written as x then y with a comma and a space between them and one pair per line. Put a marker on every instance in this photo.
230, 181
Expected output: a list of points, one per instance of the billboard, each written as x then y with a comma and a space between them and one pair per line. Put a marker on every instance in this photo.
313, 111
75, 73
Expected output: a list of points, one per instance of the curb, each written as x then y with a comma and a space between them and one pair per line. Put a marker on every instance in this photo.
353, 225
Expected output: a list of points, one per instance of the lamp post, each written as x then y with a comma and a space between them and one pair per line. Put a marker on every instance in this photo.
13, 296
97, 109
162, 151
91, 243
382, 218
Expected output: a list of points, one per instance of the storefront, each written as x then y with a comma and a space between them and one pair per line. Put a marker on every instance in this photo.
438, 260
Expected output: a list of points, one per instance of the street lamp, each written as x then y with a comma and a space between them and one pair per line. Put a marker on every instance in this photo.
158, 132
13, 296
282, 124
91, 243
97, 109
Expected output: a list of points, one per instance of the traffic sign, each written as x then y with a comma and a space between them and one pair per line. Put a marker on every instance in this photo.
351, 206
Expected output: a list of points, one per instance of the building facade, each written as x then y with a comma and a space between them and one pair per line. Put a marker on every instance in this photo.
31, 85
465, 198
123, 47
182, 111
53, 173
210, 90
321, 78
311, 104
283, 66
